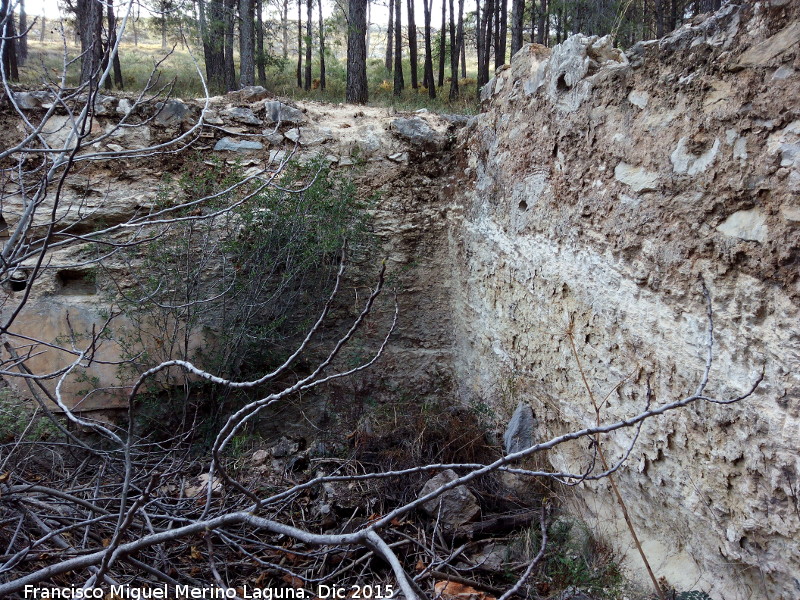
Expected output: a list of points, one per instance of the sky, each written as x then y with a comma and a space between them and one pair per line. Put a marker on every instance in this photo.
380, 11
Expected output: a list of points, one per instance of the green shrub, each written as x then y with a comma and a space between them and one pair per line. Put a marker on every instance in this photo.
235, 292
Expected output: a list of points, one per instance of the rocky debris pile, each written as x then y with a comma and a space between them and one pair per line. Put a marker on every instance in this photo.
495, 541
250, 122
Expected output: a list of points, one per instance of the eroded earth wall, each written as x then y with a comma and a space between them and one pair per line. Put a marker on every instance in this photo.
592, 195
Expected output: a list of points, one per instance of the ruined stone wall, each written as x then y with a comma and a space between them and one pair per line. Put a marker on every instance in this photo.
591, 194
396, 162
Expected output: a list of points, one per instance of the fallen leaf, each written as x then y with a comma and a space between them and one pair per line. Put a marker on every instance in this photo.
450, 590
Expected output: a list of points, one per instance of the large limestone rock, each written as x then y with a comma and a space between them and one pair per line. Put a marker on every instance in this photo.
452, 508
417, 131
519, 432
278, 112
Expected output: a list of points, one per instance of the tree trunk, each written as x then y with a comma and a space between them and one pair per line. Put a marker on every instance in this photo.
357, 52
533, 22
488, 18
22, 42
299, 43
368, 27
163, 8
502, 33
90, 27
412, 43
517, 13
540, 28
399, 82
261, 57
42, 28
247, 67
285, 29
213, 45
457, 38
230, 66
442, 43
427, 5
390, 39
322, 47
559, 24
112, 41
7, 39
479, 40
309, 24
463, 52
496, 30
673, 15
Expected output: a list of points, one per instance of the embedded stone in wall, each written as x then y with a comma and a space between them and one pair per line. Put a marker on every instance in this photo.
242, 115
233, 145
638, 98
278, 112
746, 224
637, 178
171, 113
309, 136
685, 162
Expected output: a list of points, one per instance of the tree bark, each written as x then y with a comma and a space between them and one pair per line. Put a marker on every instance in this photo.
368, 28
309, 24
357, 52
261, 57
247, 67
399, 81
479, 39
502, 33
427, 5
22, 42
659, 18
299, 43
463, 51
457, 38
112, 41
322, 47
541, 36
517, 13
442, 43
230, 66
390, 38
7, 40
488, 19
90, 27
285, 29
412, 43
163, 9
213, 45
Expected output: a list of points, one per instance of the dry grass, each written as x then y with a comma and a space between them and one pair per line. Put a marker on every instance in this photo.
46, 64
